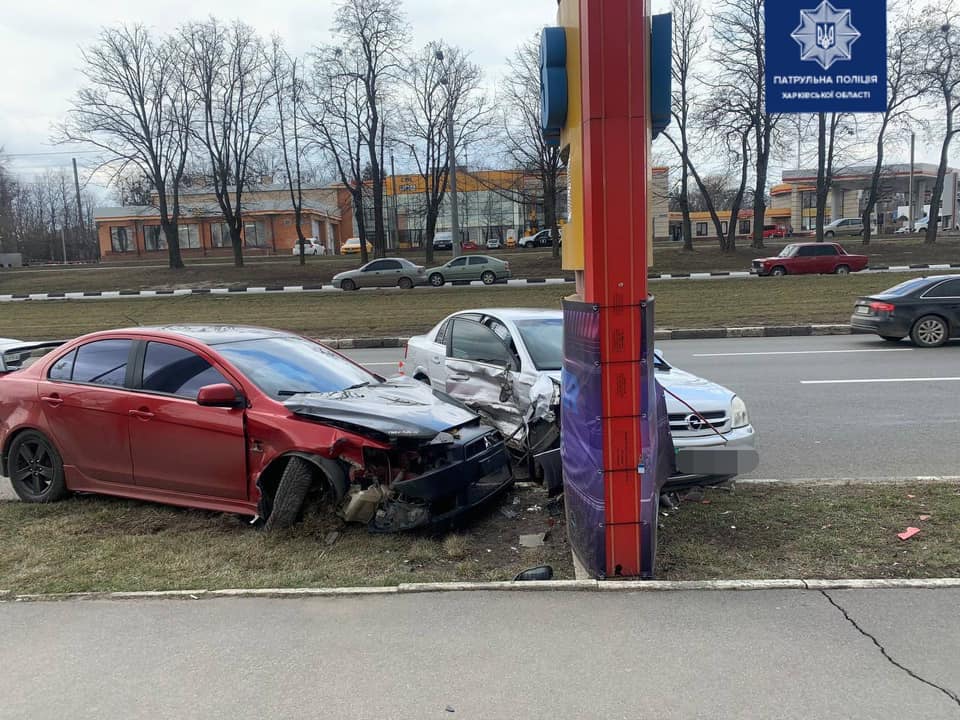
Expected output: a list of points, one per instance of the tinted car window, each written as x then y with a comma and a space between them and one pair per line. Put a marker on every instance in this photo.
390, 265
175, 371
478, 261
905, 288
284, 366
807, 252
826, 250
476, 342
374, 266
441, 337
459, 262
949, 289
62, 369
102, 363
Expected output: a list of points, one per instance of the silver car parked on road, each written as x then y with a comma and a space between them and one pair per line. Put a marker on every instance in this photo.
387, 272
506, 364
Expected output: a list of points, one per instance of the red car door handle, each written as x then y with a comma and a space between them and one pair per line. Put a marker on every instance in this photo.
142, 414
52, 400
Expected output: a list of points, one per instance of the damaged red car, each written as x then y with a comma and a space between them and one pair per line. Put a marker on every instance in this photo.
241, 420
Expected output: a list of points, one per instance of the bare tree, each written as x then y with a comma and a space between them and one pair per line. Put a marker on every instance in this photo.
525, 147
740, 54
288, 93
941, 70
904, 87
439, 80
732, 130
833, 129
688, 43
373, 34
232, 82
337, 119
136, 107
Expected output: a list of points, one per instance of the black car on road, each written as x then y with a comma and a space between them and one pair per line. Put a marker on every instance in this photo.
927, 310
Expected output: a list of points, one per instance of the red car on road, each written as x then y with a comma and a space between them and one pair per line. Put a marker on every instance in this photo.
241, 420
810, 258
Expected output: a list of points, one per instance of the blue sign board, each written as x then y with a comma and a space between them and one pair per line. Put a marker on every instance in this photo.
826, 56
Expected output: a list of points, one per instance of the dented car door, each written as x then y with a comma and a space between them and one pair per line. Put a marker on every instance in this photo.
482, 374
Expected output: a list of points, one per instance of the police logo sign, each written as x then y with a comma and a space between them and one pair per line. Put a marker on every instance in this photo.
830, 57
826, 35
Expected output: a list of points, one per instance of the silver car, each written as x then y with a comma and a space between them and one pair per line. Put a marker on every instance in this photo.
506, 364
387, 272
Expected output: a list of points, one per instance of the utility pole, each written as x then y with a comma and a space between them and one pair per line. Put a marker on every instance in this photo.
63, 242
76, 186
452, 161
913, 140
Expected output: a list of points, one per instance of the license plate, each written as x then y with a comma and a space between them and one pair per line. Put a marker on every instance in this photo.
863, 310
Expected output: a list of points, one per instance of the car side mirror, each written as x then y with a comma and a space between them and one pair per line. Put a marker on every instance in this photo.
219, 395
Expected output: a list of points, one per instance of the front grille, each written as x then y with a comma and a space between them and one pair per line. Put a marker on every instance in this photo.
692, 423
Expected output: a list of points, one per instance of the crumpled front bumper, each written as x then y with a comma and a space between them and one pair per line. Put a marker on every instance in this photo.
478, 471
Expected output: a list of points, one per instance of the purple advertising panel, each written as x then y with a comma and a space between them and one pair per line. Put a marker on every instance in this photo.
581, 444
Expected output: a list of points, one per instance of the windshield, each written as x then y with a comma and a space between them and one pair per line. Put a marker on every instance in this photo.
544, 341
904, 288
789, 251
284, 366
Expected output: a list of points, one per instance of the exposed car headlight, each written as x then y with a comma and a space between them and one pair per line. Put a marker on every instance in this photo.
738, 411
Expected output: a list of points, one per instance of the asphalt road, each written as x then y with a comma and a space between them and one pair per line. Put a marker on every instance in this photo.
826, 407
686, 655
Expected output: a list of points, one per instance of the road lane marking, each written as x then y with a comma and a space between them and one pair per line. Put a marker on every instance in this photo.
878, 380
800, 352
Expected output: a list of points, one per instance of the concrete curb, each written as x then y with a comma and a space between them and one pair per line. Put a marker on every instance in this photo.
318, 287
601, 586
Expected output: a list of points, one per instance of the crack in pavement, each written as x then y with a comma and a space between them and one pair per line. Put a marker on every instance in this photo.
883, 651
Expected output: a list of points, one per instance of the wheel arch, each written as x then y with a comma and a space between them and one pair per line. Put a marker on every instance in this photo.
329, 470
13, 435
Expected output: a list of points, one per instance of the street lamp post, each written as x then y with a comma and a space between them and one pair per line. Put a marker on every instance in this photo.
913, 139
452, 160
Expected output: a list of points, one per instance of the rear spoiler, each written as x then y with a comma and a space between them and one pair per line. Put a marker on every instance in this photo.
18, 357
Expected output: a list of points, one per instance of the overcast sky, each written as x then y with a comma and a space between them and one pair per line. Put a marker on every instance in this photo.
40, 40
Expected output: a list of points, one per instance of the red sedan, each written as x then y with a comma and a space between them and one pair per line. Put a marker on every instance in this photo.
242, 420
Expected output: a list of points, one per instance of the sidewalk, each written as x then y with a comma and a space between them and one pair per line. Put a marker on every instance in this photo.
780, 654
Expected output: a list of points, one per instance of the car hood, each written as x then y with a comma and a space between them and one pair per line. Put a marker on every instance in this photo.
703, 395
767, 259
397, 408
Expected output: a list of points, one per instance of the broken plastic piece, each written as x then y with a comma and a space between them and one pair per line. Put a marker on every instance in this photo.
924, 518
908, 533
363, 505
533, 541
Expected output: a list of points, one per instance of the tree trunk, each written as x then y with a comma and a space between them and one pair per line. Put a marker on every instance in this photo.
760, 188
872, 196
431, 231
361, 225
550, 210
237, 243
298, 219
729, 244
822, 187
687, 224
171, 232
933, 217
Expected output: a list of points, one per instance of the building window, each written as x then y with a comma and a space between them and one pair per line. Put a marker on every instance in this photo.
744, 227
154, 238
119, 241
701, 229
220, 235
189, 236
724, 226
254, 235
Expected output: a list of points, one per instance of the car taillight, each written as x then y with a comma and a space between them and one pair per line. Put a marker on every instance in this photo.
881, 307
